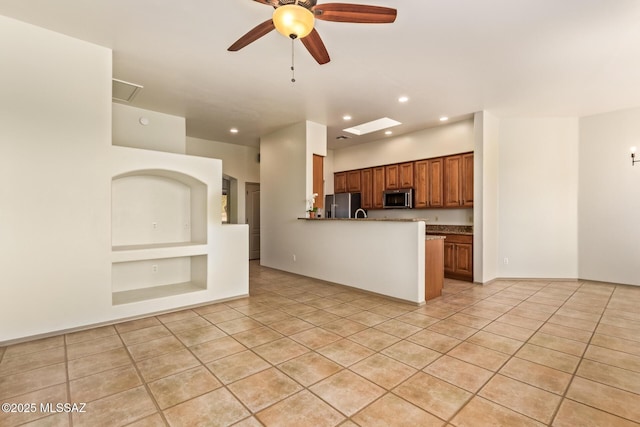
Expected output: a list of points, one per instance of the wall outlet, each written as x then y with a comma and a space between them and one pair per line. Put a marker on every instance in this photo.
436, 219
505, 260
294, 258
154, 268
154, 225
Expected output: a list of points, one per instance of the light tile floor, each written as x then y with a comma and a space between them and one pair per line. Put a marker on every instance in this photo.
300, 352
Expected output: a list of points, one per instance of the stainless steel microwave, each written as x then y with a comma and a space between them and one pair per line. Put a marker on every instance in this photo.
398, 199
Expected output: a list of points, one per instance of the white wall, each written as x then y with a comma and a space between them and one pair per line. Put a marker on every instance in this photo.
283, 195
486, 179
225, 248
537, 195
55, 132
438, 141
163, 132
56, 170
349, 253
356, 254
238, 161
609, 198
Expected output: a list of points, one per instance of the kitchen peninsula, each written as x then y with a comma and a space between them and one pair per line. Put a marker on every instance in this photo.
398, 259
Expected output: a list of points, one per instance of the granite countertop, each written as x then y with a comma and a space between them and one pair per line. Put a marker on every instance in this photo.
433, 237
367, 219
449, 229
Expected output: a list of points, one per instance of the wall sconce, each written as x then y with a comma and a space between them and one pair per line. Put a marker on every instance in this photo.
633, 156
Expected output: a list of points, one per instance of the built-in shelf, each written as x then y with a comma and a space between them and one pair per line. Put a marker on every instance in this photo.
151, 208
137, 295
155, 251
155, 246
157, 277
159, 234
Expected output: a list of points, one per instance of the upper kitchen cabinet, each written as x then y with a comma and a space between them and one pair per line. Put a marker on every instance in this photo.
340, 182
458, 181
428, 183
377, 186
405, 173
366, 190
436, 172
467, 180
354, 181
399, 176
391, 177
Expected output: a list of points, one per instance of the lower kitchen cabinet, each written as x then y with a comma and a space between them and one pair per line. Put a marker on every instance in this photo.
433, 268
458, 257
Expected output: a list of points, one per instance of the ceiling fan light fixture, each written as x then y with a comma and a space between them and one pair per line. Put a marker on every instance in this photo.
293, 21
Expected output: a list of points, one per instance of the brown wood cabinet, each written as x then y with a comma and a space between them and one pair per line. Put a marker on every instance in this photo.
441, 182
436, 199
433, 268
377, 186
318, 180
366, 193
428, 183
458, 181
405, 172
353, 181
392, 177
467, 180
340, 182
421, 180
458, 257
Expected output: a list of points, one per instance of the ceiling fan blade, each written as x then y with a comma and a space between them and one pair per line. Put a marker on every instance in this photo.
358, 13
316, 48
260, 30
273, 3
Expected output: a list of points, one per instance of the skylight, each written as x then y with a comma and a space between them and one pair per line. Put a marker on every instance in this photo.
373, 126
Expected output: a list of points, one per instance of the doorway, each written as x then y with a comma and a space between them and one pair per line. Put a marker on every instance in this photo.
253, 219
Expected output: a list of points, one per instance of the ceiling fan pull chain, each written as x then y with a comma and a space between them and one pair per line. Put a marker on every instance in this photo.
293, 70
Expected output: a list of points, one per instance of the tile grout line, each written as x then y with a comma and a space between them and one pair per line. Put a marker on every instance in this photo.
575, 373
456, 306
497, 371
68, 382
142, 379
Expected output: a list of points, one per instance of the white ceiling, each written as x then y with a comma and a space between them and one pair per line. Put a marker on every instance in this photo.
451, 57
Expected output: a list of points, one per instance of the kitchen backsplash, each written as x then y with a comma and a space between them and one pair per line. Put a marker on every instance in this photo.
434, 216
450, 229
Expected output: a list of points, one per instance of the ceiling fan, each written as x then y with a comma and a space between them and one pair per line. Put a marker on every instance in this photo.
295, 19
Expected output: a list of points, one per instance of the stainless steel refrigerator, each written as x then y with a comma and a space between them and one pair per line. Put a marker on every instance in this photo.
341, 205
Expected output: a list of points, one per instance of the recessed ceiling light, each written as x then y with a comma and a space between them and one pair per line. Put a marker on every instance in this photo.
403, 99
373, 126
388, 132
233, 130
346, 118
444, 118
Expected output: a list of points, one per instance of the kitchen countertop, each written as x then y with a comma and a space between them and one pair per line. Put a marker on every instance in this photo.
434, 237
449, 229
367, 219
